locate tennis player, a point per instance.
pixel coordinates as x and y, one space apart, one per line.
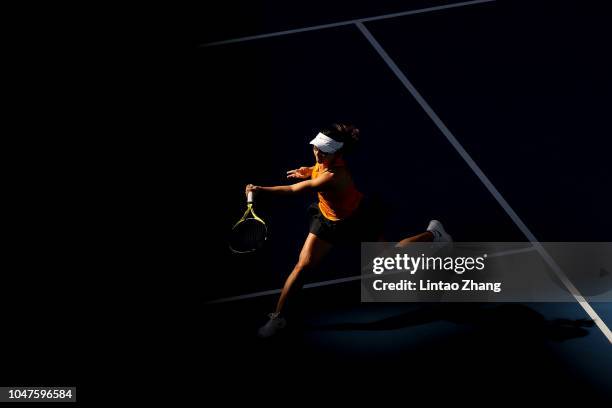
342 215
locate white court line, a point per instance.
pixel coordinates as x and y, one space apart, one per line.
511 252
344 23
485 180
341 280
276 291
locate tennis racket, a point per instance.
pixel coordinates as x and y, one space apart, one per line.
250 232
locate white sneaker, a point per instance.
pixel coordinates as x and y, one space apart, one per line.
440 235
272 326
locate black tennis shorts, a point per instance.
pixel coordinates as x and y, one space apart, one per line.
364 225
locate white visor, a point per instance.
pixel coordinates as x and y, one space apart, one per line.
326 144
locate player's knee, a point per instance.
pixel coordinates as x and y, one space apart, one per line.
303 263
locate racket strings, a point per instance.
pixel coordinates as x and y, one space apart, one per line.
248 236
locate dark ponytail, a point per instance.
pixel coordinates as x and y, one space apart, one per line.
343 132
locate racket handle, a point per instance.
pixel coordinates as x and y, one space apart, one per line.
249 197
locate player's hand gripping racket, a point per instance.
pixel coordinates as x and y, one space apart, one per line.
250 232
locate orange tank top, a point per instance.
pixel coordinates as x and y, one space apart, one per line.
336 205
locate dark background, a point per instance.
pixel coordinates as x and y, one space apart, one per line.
157 166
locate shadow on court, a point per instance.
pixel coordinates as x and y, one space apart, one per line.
513 320
494 350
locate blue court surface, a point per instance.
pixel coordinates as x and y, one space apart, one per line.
492 116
